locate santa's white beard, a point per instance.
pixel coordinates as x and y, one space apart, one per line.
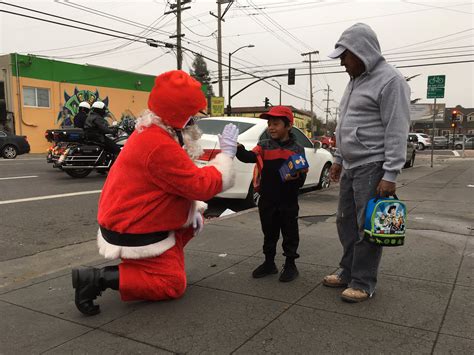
191 134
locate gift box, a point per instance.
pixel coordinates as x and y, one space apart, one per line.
294 164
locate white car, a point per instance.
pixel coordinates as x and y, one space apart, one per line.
422 140
251 130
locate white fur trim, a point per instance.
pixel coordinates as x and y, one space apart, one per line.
110 251
225 165
191 134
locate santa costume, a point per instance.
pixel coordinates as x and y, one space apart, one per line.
150 206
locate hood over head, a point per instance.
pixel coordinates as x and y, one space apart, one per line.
361 40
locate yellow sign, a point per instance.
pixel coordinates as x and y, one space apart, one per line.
217 106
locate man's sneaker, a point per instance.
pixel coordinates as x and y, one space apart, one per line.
265 269
354 295
334 281
289 272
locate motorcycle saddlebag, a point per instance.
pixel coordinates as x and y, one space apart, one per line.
90 150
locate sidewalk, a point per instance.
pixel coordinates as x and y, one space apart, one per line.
424 301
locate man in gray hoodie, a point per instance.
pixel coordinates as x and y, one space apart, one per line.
371 138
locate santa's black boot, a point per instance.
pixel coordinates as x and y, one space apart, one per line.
89 283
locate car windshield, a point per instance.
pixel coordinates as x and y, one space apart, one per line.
216 126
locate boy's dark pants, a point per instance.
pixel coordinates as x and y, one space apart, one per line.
275 218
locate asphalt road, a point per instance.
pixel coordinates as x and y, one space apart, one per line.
43 208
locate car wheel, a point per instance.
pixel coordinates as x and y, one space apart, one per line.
458 146
9 152
421 146
324 180
324 145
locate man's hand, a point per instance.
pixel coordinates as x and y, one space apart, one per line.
386 188
335 172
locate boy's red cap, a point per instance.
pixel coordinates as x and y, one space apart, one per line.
175 97
279 111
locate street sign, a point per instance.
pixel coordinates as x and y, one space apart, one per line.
217 106
436 86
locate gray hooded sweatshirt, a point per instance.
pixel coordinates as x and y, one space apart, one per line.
374 110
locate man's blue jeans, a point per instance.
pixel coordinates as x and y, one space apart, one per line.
361 259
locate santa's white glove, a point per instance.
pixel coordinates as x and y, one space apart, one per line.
198 222
228 140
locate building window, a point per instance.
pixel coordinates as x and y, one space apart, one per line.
35 97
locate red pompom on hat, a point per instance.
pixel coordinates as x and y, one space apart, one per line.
176 97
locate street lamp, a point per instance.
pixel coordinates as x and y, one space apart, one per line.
229 107
280 88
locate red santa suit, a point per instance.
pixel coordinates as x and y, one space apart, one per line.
154 188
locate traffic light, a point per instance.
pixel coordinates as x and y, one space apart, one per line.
454 115
267 102
453 124
291 76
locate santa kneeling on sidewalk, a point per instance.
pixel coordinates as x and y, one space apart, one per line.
151 204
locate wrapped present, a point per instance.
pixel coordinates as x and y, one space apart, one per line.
294 164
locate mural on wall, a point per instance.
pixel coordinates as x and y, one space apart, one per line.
71 106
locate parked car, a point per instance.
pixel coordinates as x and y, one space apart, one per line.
12 145
468 143
251 130
440 142
326 142
423 140
411 152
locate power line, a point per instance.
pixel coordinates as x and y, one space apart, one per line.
398 66
110 16
341 21
429 40
390 61
67 25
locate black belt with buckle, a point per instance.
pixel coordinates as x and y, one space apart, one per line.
132 240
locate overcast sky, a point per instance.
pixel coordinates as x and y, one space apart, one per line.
410 33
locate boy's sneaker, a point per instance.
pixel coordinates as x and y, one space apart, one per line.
289 272
265 269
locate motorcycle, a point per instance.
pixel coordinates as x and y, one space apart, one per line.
61 139
79 160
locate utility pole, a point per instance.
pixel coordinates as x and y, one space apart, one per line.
177 8
328 90
310 84
278 83
220 18
337 112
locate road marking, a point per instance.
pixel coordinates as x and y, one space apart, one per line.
456 154
18 160
50 197
19 177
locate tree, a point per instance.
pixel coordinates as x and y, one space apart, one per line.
201 74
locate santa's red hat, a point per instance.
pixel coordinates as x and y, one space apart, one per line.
176 97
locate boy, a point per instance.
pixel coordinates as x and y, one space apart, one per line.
278 204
